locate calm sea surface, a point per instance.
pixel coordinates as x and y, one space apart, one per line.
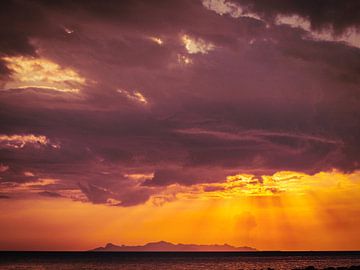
174 260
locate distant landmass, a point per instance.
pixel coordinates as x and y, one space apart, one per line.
166 246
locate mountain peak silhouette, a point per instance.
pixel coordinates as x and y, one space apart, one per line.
167 246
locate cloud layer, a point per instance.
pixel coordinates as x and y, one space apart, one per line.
173 93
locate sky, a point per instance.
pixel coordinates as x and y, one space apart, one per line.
188 121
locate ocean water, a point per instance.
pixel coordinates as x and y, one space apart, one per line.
174 260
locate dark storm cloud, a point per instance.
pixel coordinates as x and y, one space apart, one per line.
338 60
187 175
19 22
122 193
260 101
95 194
134 197
49 194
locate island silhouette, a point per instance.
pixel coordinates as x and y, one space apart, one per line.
167 246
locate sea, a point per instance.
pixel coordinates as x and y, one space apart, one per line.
176 260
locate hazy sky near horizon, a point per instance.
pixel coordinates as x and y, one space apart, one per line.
192 121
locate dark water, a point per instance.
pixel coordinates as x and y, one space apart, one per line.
175 260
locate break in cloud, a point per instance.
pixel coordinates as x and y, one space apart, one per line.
117 102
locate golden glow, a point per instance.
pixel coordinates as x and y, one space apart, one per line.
182 59
135 96
19 141
222 7
70 90
68 30
323 207
194 46
274 185
157 40
27 173
138 177
29 72
26 188
40 182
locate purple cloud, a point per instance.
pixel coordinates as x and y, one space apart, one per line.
174 93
